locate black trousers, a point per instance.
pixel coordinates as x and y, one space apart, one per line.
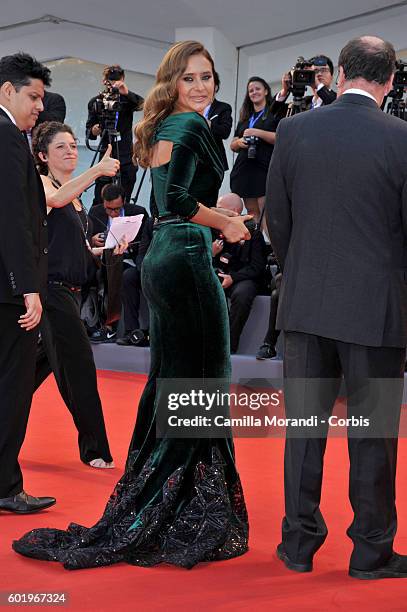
128 172
241 296
131 294
372 460
66 351
17 366
272 333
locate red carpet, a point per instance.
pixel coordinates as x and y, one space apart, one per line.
255 581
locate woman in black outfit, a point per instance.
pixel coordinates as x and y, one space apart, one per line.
65 346
249 172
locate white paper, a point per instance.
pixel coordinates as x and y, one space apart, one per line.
127 227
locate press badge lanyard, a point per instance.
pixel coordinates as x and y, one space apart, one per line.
254 118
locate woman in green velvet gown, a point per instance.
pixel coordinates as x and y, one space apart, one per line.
179 501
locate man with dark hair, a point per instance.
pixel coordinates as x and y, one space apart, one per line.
114 206
322 94
54 108
341 245
23 268
113 76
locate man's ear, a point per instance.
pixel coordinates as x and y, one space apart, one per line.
341 77
7 89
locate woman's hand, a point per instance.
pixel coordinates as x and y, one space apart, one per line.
235 229
251 132
108 166
225 211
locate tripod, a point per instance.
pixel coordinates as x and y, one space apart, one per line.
298 104
397 104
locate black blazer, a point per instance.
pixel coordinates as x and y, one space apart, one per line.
221 126
248 260
336 211
54 108
23 218
100 220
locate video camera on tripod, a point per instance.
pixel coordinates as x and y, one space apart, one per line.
107 107
397 104
301 76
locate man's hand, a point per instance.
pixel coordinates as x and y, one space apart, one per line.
96 129
227 280
121 247
324 78
97 240
108 166
217 247
121 86
32 317
285 84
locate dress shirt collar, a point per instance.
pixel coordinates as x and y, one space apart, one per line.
5 110
359 92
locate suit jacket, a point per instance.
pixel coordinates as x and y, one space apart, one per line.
54 108
247 261
100 220
23 218
336 211
221 126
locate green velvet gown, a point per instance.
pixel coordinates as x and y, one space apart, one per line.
179 501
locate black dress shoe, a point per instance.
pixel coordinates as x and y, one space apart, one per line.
25 504
296 567
396 567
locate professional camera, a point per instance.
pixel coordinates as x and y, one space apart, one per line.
302 76
107 104
252 142
224 262
397 104
400 77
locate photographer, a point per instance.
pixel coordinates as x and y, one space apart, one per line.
253 142
128 103
240 268
322 95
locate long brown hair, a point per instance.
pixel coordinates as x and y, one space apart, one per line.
247 107
162 97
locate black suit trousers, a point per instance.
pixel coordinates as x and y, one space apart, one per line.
65 350
372 459
17 366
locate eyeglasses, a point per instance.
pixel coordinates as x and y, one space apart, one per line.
116 208
322 69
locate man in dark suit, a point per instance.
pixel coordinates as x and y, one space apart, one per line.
219 117
241 269
120 280
338 225
54 108
23 268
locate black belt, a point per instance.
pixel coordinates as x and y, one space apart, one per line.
74 288
169 219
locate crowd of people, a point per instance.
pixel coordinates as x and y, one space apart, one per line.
341 299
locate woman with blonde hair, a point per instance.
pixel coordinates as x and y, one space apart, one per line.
180 500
